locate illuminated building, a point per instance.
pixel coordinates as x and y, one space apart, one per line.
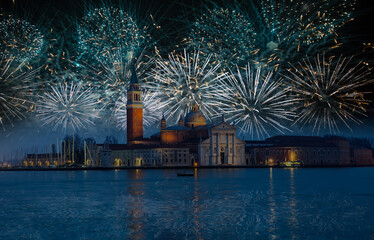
192 142
309 150
42 160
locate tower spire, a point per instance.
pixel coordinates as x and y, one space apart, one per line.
163 122
134 108
134 78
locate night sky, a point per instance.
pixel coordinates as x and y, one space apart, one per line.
173 16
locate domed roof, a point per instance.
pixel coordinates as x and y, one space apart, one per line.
194 118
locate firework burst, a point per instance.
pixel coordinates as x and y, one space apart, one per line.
109 33
110 81
68 106
110 41
256 102
62 50
17 82
185 80
225 32
20 39
329 92
270 32
288 28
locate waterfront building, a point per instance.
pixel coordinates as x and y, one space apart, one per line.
309 150
123 155
195 142
191 142
361 156
42 160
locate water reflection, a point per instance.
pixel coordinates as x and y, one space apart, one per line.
293 222
196 209
215 204
135 207
116 174
272 212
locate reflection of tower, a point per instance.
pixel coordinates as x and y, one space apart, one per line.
136 212
272 205
134 109
293 221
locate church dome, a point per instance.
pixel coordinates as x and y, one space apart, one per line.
194 118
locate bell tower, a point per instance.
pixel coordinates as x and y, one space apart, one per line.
163 122
134 108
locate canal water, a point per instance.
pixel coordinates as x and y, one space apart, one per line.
328 203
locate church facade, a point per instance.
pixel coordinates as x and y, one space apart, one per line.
222 147
192 142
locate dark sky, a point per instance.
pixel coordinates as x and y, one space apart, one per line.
173 13
362 27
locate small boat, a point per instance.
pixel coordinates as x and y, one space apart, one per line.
292 164
185 174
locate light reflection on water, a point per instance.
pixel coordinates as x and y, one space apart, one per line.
215 204
272 205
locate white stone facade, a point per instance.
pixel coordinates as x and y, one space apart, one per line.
222 147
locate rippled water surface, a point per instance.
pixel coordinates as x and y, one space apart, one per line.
215 204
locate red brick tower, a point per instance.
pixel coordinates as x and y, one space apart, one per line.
134 109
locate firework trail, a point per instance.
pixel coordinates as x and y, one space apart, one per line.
270 32
287 28
62 50
17 85
110 41
111 35
329 92
225 32
112 82
185 80
255 102
19 39
68 106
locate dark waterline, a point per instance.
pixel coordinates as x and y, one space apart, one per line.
331 203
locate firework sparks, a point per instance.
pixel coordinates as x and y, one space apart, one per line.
110 80
256 103
68 105
185 80
225 32
110 33
17 81
270 32
111 41
289 28
61 51
329 92
20 39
